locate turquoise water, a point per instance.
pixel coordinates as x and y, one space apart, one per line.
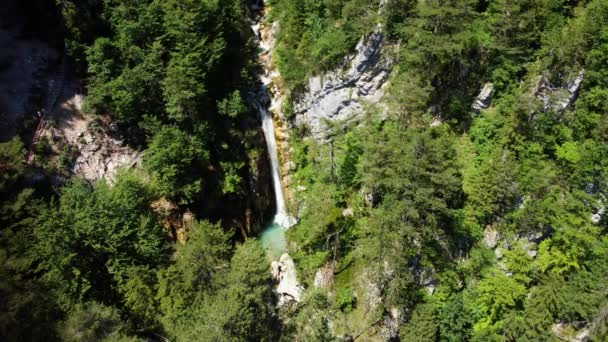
273 240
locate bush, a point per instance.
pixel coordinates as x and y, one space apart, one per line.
345 299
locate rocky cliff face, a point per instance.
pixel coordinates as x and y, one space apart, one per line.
558 97
91 148
483 100
341 94
97 153
275 95
260 204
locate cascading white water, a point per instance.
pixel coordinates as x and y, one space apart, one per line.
281 217
273 236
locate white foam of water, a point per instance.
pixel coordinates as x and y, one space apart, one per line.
281 217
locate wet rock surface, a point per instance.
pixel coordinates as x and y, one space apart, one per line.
490 237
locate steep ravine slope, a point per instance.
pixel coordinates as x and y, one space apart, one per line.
543 99
339 96
283 268
43 100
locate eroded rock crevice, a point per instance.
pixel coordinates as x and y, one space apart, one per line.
340 95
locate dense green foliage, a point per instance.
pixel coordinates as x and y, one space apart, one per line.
100 262
424 196
171 74
317 35
401 209
100 257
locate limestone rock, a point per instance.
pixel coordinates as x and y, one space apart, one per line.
372 196
592 189
392 322
288 289
597 217
498 253
533 236
558 97
275 269
340 94
373 295
104 159
436 122
490 237
566 332
348 212
530 247
482 101
100 155
573 87
289 166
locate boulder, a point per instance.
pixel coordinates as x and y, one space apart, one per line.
567 332
348 212
284 272
483 100
498 253
103 159
601 209
597 217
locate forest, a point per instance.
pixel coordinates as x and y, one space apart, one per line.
440 220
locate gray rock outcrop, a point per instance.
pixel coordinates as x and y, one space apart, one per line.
597 217
284 272
483 100
491 236
560 97
566 332
340 95
99 155
392 322
103 157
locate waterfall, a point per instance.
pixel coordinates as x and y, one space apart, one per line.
281 217
273 236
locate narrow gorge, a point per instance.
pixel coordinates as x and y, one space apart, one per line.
335 96
303 170
273 236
